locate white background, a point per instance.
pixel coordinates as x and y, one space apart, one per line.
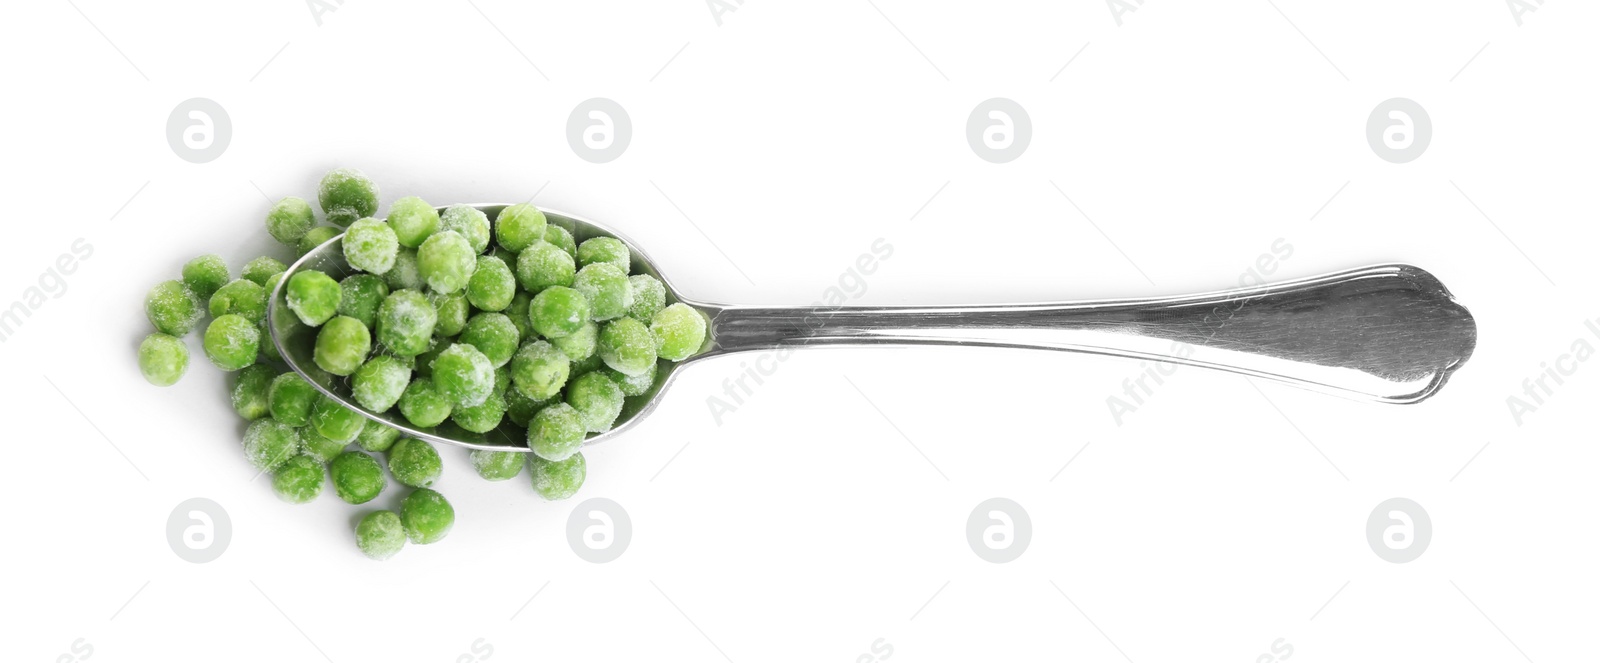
1216 519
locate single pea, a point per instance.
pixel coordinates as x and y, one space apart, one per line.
627 346
376 437
680 332
589 365
633 385
597 399
446 261
317 237
422 405
483 417
603 249
463 375
580 344
518 312
272 283
539 370
649 296
424 361
543 265
606 287
172 307
562 238
298 480
260 269
405 323
290 399
413 220
494 335
357 477
334 421
557 480
232 342
492 285
346 195
241 296
558 311
342 344
313 296
470 222
406 274
414 462
251 388
360 295
427 516
370 246
205 274
519 226
502 379
269 350
520 408
380 535
497 465
378 384
556 432
163 359
453 310
268 443
290 219
320 446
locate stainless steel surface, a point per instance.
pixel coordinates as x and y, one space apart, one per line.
1388 333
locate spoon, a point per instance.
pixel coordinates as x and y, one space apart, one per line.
1387 333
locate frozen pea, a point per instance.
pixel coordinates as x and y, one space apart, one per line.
376 437
298 480
424 361
602 250
580 344
360 295
414 462
380 535
290 219
543 265
556 432
463 375
519 226
483 417
320 446
558 311
405 323
357 477
313 296
597 399
269 350
342 344
494 335
502 379
290 399
592 363
205 274
163 359
346 195
562 238
633 385
446 261
627 346
172 307
272 283
261 269
492 285
470 222
649 296
422 405
680 331
405 275
427 516
520 408
317 237
413 220
334 421
378 384
497 465
539 371
370 246
268 443
251 389
518 312
606 287
557 480
244 297
453 310
232 342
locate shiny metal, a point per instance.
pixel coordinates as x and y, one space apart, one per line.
1388 333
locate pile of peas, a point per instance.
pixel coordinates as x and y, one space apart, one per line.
467 325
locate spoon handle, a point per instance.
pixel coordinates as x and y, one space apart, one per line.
1390 333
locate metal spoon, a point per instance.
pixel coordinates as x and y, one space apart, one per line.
1388 333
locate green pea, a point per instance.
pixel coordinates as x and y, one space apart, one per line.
378 384
261 269
556 432
422 405
360 295
290 219
649 296
357 477
581 344
269 350
446 261
346 195
405 323
497 465
453 310
413 220
342 344
317 237
406 274
494 335
603 250
427 516
519 226
557 480
633 385
483 417
597 399
520 408
205 274
463 375
414 462
370 246
518 312
232 342
543 265
562 238
502 379
424 361
558 311
470 222
606 287
627 346
298 480
268 443
539 371
250 391
320 446
172 307
163 359
380 535
376 437
241 296
313 296
492 286
290 399
334 421
680 332
589 365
